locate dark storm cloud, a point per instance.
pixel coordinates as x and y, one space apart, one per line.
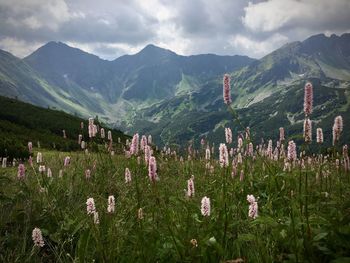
111 28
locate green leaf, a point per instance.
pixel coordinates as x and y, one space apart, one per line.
320 236
246 237
265 220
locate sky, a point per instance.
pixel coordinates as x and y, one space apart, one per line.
111 28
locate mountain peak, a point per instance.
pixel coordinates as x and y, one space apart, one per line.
154 50
54 45
57 48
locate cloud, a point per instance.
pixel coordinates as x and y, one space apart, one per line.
283 15
18 47
107 50
33 14
258 48
110 28
76 21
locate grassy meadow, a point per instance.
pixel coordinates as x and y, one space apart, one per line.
303 214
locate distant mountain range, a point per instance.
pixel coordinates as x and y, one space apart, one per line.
179 98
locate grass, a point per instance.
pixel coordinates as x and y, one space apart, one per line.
304 214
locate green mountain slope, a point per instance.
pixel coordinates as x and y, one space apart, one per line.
18 79
261 92
22 122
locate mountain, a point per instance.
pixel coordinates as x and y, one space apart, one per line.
155 73
268 94
122 86
321 57
179 98
20 80
59 62
22 122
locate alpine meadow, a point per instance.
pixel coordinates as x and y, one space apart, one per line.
232 148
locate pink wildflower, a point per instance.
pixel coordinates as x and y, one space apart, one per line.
147 153
292 151
90 206
134 148
30 147
207 153
37 237
39 157
66 161
109 136
228 135
127 175
111 204
250 149
96 218
143 142
190 187
49 172
308 97
140 214
227 89
307 130
253 206
152 169
21 171
102 131
223 155
239 143
205 206
42 168
319 135
269 149
337 128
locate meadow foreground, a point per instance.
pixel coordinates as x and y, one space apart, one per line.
300 212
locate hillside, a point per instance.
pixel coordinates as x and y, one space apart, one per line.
22 122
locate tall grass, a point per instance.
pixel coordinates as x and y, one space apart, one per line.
304 214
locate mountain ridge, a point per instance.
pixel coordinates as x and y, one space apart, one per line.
146 91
